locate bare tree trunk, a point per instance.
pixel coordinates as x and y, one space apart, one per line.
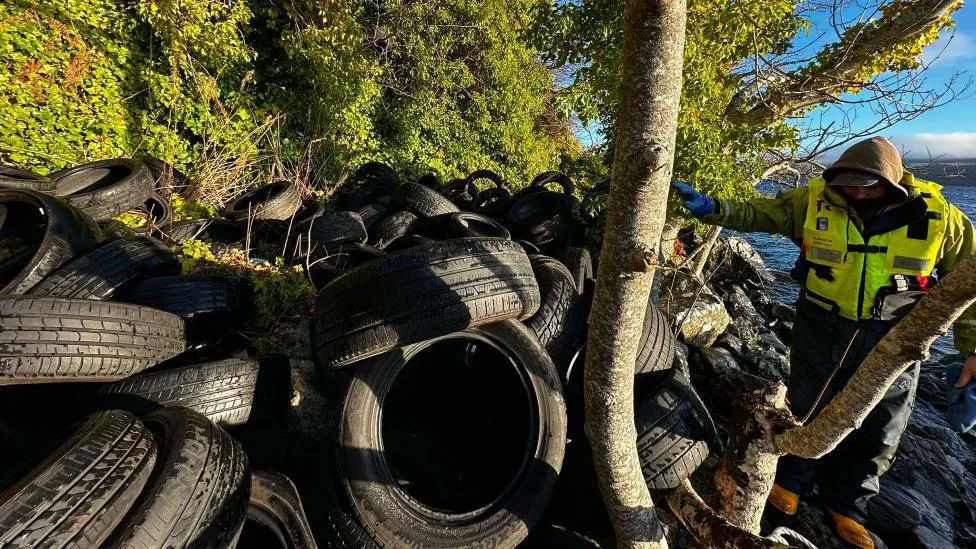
748 468
744 479
643 156
705 250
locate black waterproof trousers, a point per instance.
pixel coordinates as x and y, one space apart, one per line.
846 478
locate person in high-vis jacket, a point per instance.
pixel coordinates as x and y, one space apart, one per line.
873 237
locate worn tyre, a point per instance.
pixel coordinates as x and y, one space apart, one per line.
441 288
332 229
673 428
512 494
47 339
493 202
210 304
278 200
559 178
371 214
655 349
106 188
39 234
166 178
459 225
225 391
158 212
461 193
198 492
276 505
422 201
391 228
560 322
333 262
97 274
79 492
539 217
217 231
15 178
580 265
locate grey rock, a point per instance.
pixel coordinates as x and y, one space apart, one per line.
783 313
772 340
698 313
899 511
730 342
715 359
785 331
745 330
767 363
739 303
681 358
734 262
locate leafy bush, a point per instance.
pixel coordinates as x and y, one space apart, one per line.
429 86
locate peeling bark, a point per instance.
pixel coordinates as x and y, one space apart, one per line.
643 155
748 468
708 527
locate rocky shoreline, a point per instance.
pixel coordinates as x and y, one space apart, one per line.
729 329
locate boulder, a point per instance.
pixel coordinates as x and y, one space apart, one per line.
698 314
767 363
769 339
735 262
745 330
739 303
730 342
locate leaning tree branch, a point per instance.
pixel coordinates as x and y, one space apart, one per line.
841 67
710 528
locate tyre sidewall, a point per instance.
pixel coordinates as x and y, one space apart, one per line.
370 487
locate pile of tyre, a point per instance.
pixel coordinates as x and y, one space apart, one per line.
450 317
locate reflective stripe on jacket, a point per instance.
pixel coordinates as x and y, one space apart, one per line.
910 238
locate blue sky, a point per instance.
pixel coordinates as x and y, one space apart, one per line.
948 131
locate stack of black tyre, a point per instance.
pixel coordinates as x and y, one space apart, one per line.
459 316
138 456
450 318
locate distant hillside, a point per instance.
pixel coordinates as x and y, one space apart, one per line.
955 172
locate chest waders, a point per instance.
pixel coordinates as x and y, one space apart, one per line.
840 318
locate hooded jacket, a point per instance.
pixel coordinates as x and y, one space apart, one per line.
786 215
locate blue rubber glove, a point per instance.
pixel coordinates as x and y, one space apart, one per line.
962 402
696 203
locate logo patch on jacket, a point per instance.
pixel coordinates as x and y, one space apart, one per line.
821 223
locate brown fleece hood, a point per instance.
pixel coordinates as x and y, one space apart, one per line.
876 155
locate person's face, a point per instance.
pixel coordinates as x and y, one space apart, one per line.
864 195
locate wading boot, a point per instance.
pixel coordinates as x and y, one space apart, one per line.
783 500
853 532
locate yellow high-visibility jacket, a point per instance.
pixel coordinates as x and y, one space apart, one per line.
854 263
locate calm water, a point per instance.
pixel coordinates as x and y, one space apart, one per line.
780 253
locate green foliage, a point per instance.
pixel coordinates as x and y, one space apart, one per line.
714 152
711 152
63 83
283 295
429 86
